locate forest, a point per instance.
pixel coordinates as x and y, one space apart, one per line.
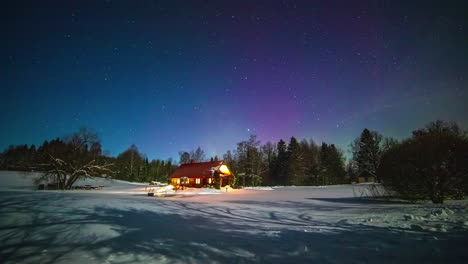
430 164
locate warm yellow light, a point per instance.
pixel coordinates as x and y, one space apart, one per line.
224 170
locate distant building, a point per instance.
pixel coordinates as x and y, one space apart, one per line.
365 176
199 174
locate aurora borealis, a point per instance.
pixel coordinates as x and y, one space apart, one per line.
173 75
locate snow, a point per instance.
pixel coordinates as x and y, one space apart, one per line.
198 191
325 224
260 188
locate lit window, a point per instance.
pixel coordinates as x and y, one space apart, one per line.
197 181
209 180
178 181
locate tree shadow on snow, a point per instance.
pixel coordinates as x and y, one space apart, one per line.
363 200
51 232
289 204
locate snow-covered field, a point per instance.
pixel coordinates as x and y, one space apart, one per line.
121 224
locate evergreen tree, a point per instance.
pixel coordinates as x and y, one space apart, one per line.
144 176
216 180
324 165
310 165
281 164
268 160
367 152
294 173
336 166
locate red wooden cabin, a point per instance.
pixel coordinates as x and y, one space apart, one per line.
199 174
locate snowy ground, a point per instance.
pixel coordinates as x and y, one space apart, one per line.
120 224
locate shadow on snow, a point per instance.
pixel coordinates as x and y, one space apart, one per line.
47 230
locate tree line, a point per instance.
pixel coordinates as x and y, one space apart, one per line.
281 163
81 154
431 164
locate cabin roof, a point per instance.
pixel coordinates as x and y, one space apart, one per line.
197 169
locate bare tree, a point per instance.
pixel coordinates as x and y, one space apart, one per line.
83 139
79 157
64 174
197 155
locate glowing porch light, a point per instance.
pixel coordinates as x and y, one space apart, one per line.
224 170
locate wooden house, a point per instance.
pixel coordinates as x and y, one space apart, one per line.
365 176
199 174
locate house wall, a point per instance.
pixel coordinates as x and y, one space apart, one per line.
366 179
193 182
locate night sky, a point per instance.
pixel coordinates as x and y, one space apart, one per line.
171 76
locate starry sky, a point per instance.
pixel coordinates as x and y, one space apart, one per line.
173 75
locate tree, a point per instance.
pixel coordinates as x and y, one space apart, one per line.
79 149
310 165
388 143
197 155
71 159
281 164
332 167
336 165
20 157
216 180
184 157
95 150
83 139
432 164
324 165
65 173
268 158
129 164
230 161
249 160
366 153
351 171
294 174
